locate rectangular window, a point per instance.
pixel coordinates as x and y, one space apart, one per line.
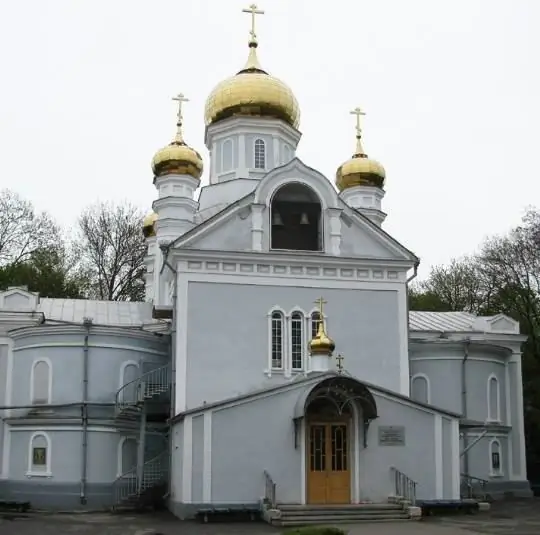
496 461
277 341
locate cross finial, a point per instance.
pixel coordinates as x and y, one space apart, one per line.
340 359
254 11
359 113
320 302
180 98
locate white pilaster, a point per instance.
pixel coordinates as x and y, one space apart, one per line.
187 460
242 165
454 448
438 444
257 232
520 472
334 230
275 147
6 452
207 457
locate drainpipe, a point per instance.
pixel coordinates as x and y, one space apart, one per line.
87 322
173 354
464 410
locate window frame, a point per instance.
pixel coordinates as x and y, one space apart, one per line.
300 321
31 472
283 320
228 142
120 457
48 362
259 144
495 472
420 375
497 417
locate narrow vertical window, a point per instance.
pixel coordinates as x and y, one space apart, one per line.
297 341
129 455
315 320
493 399
495 458
420 388
277 340
227 156
260 154
39 455
41 382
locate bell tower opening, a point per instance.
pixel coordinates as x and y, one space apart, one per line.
296 219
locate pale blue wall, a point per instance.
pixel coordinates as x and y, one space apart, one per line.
447 441
227 335
444 375
3 382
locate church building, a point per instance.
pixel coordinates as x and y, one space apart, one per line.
274 362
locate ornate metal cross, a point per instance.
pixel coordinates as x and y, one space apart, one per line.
358 112
180 98
320 302
254 11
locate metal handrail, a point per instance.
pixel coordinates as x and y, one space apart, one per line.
154 471
269 490
472 483
153 382
404 486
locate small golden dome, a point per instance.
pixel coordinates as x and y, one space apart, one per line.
321 344
178 157
360 170
253 92
149 225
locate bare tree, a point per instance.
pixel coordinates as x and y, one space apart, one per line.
22 230
111 250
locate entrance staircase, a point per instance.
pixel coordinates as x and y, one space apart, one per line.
397 508
302 515
141 410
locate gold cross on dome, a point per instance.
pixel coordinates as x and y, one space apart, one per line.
340 359
180 98
358 112
320 302
254 11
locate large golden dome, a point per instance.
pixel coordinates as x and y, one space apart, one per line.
178 157
252 91
360 170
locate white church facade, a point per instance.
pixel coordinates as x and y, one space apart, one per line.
275 356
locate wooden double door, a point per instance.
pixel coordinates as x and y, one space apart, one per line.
328 462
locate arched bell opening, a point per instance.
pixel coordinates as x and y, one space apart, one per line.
296 219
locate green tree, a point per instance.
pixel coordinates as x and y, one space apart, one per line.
46 272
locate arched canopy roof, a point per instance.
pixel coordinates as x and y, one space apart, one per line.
340 390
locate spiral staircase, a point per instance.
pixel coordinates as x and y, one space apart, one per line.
142 407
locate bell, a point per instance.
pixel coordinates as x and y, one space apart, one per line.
304 219
276 219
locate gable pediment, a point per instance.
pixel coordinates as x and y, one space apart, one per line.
18 298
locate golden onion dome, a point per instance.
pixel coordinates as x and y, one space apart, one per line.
149 225
178 157
360 170
321 343
253 92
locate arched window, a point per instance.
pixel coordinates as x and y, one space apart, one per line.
227 156
259 154
296 219
127 457
493 399
420 388
41 382
129 373
39 455
314 321
297 341
277 328
495 458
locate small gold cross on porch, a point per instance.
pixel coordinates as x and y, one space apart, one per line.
339 365
253 10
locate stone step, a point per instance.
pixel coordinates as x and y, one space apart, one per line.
323 509
340 519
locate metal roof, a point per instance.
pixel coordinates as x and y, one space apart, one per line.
101 312
442 321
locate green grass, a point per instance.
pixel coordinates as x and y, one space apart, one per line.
315 530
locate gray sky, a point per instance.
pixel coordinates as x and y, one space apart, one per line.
451 90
